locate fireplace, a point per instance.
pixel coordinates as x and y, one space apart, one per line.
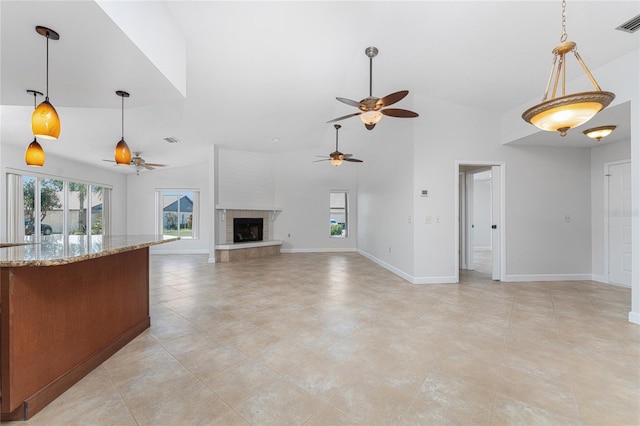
247 229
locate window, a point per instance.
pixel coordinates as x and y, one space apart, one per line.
338 203
178 213
54 206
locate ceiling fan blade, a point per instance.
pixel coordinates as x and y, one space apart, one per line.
343 117
156 164
110 161
347 155
148 167
324 159
353 160
401 113
349 102
392 98
370 126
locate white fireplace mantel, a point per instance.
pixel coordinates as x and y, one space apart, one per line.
223 210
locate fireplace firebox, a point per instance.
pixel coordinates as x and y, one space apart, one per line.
247 229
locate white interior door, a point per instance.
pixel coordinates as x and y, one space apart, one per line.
469 223
496 232
619 215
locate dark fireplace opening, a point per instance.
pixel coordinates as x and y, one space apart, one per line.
247 229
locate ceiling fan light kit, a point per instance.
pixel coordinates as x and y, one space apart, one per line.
336 157
566 111
371 111
45 122
122 153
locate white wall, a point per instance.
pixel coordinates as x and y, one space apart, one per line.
302 190
246 179
385 189
482 210
12 159
142 208
600 155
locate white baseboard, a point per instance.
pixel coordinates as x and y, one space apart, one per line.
318 250
435 280
386 266
634 317
482 248
547 277
211 259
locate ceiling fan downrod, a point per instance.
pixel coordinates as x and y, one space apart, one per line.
371 52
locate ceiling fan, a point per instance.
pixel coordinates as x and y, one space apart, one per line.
371 107
336 157
139 163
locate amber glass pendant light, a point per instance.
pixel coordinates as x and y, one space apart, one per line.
122 153
566 111
45 122
34 155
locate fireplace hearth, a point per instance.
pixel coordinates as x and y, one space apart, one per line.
247 229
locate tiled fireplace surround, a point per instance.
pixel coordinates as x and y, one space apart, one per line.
227 251
254 214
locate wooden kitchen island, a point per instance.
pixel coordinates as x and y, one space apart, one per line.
66 305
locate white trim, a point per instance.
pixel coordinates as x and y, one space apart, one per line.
211 260
483 248
387 266
599 278
503 215
547 277
434 280
318 250
634 317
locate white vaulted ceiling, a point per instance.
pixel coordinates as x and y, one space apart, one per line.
240 74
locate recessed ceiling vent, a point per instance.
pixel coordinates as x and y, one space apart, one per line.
631 26
170 139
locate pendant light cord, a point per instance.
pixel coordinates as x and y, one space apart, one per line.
47 97
564 21
123 117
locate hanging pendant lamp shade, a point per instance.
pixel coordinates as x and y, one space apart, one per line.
566 111
34 155
45 122
122 153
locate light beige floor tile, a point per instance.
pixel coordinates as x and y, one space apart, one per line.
529 389
448 400
239 382
332 338
508 412
280 403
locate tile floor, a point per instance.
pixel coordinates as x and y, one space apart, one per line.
334 339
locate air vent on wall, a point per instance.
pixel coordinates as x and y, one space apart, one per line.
170 139
631 26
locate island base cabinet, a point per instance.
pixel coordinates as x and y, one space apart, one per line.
60 322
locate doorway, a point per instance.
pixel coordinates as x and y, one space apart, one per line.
480 208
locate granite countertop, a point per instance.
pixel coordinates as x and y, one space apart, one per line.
61 249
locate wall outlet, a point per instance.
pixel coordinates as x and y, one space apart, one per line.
389 249
428 220
437 219
289 235
567 217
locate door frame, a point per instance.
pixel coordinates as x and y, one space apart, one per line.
606 249
502 220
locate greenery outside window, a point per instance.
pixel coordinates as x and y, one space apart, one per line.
54 207
178 213
338 214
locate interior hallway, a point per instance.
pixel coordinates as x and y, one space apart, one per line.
336 339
